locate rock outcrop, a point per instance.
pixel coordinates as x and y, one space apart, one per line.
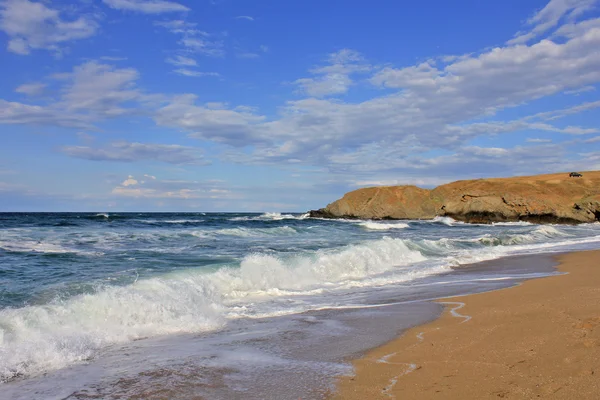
554 198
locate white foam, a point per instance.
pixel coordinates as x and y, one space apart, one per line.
454 310
516 223
447 221
540 234
172 221
250 232
266 275
271 216
36 339
380 226
30 246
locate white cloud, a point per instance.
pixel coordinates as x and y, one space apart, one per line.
182 27
193 40
221 125
132 152
181 61
334 78
99 89
550 16
112 58
194 73
245 17
580 90
32 25
31 89
556 114
434 106
538 140
130 181
576 29
146 6
91 92
19 113
203 46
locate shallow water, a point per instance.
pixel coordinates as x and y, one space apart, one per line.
232 305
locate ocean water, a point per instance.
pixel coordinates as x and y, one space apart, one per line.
222 305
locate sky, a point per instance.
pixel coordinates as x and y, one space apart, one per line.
270 105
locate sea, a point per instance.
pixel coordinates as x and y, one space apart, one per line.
234 305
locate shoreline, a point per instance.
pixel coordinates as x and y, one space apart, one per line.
539 339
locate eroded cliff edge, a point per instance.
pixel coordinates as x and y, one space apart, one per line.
552 198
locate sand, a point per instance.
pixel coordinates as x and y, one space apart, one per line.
540 339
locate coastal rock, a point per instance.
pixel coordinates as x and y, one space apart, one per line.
385 202
553 198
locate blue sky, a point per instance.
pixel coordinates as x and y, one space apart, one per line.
231 105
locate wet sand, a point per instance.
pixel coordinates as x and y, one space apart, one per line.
540 339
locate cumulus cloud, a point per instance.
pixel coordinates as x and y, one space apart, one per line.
32 25
146 6
203 121
550 16
434 105
19 113
556 114
194 73
130 181
192 39
211 48
538 140
334 78
130 152
31 89
181 61
575 29
439 105
99 89
180 26
90 92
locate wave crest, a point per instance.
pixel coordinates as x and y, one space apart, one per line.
380 226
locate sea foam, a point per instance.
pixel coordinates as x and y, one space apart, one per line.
381 226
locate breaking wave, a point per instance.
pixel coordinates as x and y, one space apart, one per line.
447 221
35 339
250 232
30 246
540 234
380 226
271 216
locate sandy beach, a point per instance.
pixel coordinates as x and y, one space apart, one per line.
540 339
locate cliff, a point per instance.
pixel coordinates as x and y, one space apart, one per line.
553 198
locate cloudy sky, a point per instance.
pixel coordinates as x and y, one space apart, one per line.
270 105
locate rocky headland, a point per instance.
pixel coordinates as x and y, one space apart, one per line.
552 198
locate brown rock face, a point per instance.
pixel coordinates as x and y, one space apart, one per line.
554 198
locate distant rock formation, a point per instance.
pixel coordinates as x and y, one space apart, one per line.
553 198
